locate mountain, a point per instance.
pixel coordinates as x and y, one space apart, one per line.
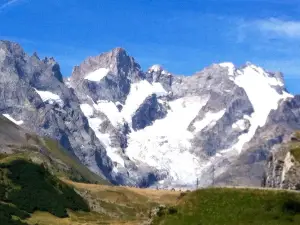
19 144
152 128
33 93
179 127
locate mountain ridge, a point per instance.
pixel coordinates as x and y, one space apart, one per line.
148 128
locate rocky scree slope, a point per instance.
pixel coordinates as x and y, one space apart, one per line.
151 128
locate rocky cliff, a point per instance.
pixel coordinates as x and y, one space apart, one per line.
283 166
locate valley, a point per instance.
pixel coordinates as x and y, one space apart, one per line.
108 144
149 112
96 204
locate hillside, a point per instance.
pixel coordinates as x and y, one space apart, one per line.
16 142
26 187
225 206
111 205
30 195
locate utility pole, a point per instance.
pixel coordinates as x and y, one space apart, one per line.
197 183
213 175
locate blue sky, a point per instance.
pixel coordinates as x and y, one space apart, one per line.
184 36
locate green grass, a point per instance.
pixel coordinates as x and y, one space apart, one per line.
294 146
77 172
119 205
296 153
30 187
222 206
11 215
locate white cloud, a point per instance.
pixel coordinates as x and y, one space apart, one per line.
270 28
8 4
271 42
280 27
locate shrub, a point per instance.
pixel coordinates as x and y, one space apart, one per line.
38 190
172 210
6 213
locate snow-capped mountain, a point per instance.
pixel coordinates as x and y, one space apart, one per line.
150 128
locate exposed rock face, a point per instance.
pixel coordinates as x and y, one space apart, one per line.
152 128
110 76
32 91
149 111
157 74
266 145
283 167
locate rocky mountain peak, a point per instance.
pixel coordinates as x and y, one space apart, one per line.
10 52
11 48
14 61
119 51
157 73
115 62
35 55
155 68
49 60
250 69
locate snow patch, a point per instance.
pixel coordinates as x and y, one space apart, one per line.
210 119
50 97
258 86
287 165
87 110
165 145
111 111
271 80
97 75
95 124
240 125
138 94
118 103
164 72
68 82
230 66
155 68
20 122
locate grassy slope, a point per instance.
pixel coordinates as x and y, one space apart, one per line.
31 195
14 139
234 206
76 167
33 190
26 187
111 205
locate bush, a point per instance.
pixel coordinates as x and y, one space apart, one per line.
182 194
6 213
39 190
291 206
172 210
